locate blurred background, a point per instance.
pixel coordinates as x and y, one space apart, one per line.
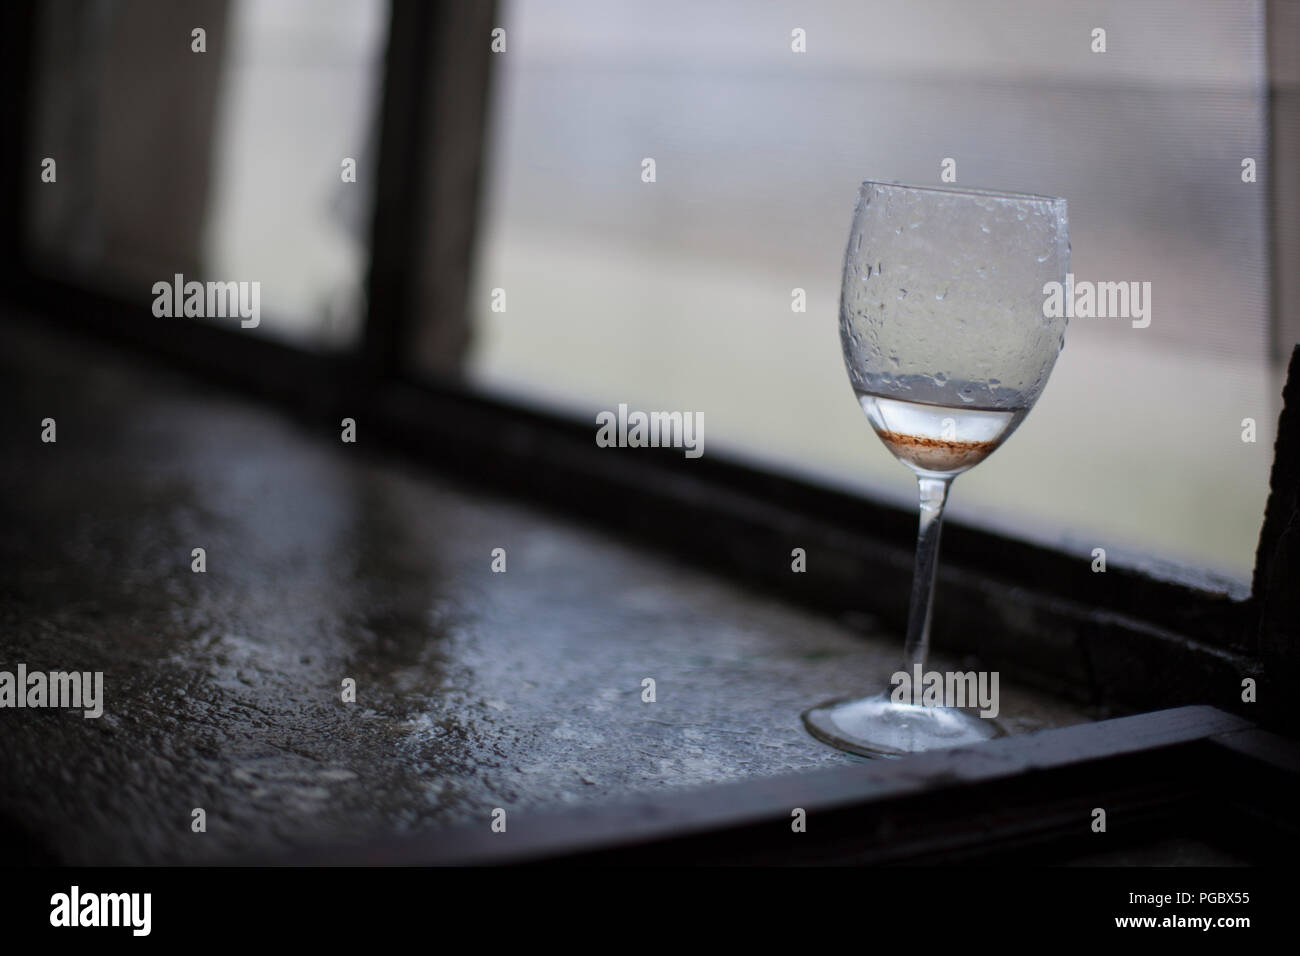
676 294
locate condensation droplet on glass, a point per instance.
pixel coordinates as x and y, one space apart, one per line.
941 378
902 294
984 228
966 394
1043 257
940 296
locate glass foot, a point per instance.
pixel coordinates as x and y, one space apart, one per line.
878 727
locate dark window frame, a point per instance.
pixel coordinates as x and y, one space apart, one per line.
1019 800
1125 641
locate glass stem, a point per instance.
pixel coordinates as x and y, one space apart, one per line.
934 495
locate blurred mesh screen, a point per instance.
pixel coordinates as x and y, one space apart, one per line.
677 294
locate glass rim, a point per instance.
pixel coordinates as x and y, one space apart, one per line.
961 191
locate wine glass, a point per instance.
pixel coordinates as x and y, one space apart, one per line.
947 346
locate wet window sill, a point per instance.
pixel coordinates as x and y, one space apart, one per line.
328 561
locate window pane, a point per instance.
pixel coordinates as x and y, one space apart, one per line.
221 165
677 294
